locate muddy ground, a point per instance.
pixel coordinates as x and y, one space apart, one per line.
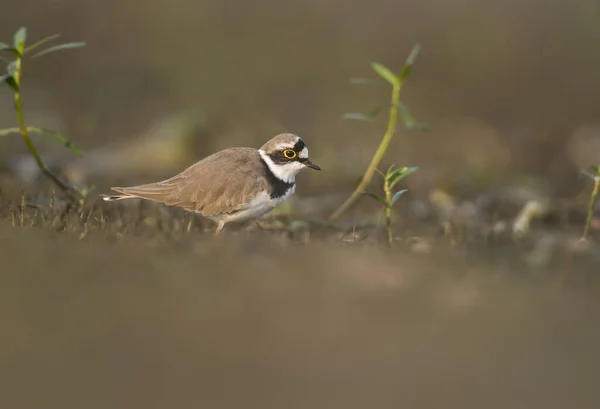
127 308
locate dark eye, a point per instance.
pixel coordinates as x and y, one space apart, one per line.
289 153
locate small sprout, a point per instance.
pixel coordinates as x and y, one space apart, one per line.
391 179
594 173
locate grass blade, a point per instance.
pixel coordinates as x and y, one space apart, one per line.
385 73
40 42
65 46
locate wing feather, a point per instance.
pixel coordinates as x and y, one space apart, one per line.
224 182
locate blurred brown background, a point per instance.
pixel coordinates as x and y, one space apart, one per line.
508 87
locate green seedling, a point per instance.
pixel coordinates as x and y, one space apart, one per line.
390 180
594 173
13 78
395 108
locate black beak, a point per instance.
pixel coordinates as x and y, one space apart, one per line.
311 165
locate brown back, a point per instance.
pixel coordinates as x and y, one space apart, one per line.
220 183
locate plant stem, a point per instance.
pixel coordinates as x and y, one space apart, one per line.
385 142
388 212
591 208
23 131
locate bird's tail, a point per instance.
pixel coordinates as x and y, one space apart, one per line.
111 198
152 191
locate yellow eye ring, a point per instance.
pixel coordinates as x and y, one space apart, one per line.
289 153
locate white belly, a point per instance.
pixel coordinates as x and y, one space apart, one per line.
259 206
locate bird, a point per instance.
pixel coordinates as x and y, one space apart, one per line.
231 185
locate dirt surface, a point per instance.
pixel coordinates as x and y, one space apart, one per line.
156 317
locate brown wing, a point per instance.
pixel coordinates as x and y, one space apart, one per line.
220 183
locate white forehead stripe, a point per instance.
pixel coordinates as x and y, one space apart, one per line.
303 153
283 146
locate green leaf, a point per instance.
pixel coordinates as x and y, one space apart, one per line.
365 81
8 48
380 172
19 39
389 172
370 117
375 197
376 111
8 131
400 174
407 118
409 121
59 47
45 132
395 177
397 196
11 68
385 73
10 81
357 116
589 173
410 61
40 42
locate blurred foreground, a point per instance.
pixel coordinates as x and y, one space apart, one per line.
154 317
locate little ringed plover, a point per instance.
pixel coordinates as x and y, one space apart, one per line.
234 184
